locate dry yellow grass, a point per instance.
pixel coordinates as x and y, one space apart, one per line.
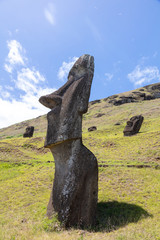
129 196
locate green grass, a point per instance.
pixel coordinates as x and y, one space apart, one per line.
129 178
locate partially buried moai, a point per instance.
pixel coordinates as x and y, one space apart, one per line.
133 125
29 132
75 188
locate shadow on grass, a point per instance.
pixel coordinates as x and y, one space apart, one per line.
113 215
110 216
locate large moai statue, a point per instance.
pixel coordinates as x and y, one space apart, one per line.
75 189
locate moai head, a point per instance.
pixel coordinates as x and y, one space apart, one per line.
69 103
133 125
29 131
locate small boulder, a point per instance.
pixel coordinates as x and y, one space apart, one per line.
29 132
133 125
99 115
93 128
117 124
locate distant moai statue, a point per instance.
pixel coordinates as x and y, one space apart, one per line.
75 189
133 125
29 132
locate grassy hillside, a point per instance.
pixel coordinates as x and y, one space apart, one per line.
129 176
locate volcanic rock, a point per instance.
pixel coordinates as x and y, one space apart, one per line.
148 92
94 102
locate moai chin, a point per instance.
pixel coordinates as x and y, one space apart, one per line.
75 188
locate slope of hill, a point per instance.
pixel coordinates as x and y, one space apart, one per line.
129 173
149 92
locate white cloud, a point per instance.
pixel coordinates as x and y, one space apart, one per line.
140 76
44 91
27 79
27 107
31 85
65 68
8 68
16 111
16 56
31 100
49 13
3 93
9 88
109 76
6 94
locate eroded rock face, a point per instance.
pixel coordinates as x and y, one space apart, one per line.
75 189
133 125
149 92
29 132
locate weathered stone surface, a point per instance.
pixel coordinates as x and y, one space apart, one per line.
93 128
133 125
74 194
29 132
75 189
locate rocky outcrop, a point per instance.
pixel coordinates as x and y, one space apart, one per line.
29 132
148 92
94 102
133 125
75 188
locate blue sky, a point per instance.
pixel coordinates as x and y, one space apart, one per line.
40 40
